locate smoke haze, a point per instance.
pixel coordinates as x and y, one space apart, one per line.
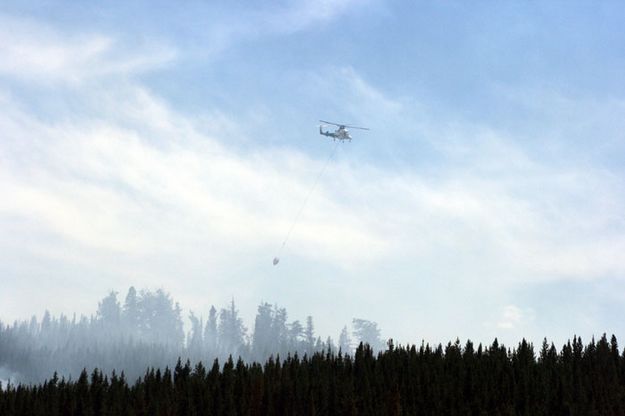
146 330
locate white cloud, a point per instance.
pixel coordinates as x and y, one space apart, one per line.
33 51
349 94
302 14
513 317
137 190
112 188
273 19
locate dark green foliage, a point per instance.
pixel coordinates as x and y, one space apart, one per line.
450 380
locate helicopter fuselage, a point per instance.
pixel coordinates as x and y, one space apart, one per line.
339 134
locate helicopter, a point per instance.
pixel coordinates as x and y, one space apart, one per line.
341 133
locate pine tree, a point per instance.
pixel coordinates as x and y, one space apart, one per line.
130 312
210 332
309 336
345 343
231 331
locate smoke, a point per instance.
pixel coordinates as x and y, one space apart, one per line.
7 376
145 330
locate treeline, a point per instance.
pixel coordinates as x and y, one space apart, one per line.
146 330
451 380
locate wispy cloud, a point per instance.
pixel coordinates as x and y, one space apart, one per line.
272 19
120 182
34 51
513 317
297 15
535 218
164 194
101 181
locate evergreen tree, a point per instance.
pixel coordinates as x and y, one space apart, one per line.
309 336
279 332
210 332
296 332
195 339
368 332
262 339
231 331
451 380
130 312
345 342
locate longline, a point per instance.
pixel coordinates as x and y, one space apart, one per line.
299 213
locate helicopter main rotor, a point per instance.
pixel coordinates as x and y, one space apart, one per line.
343 126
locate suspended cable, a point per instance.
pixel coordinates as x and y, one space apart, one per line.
299 213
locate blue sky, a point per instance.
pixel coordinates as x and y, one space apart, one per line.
161 145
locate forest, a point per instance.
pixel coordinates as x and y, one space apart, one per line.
135 358
452 380
146 330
